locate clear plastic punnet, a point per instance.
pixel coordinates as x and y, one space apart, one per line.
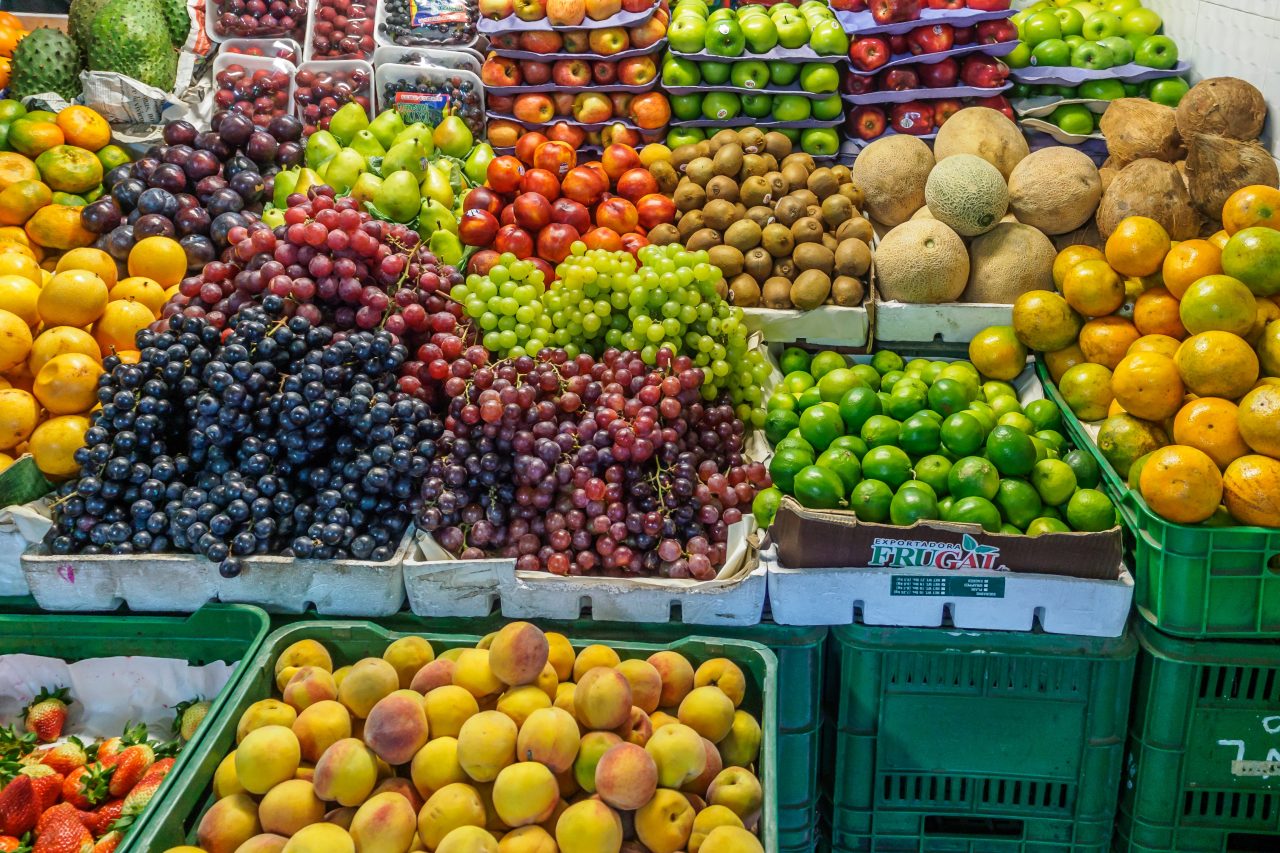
336 33
323 86
260 87
426 93
428 23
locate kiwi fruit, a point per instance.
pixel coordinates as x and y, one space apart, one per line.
843 173
743 235
806 229
777 144
744 291
700 171
795 175
722 289
761 215
836 209
751 139
683 155
822 183
776 292
857 227
770 161
728 160
788 210
704 239
758 263
777 240
694 220
723 138
719 214
813 256
689 196
847 291
664 234
853 258
830 242
754 191
802 158
752 164
722 186
777 184
666 176
805 197
785 268
854 193
727 259
810 289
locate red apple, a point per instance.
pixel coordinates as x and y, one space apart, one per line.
477 227
647 34
857 84
556 240
603 238
932 39
532 211
496 10
995 32
939 75
899 80
604 73
504 173
633 243
999 103
655 209
513 239
562 131
635 184
570 212
501 103
898 45
482 261
848 5
592 108
505 41
608 41
894 11
944 109
621 102
527 144
563 102
535 72
617 213
637 71
500 71
548 271
867 122
990 5
965 35
556 157
983 72
617 159
650 110
571 73
914 118
534 109
542 182
577 41
637 5
599 10
946 4
619 134
541 41
868 54
482 198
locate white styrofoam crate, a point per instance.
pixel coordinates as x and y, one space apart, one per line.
12 581
826 325
949 323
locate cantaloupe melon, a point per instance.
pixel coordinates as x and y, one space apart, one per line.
1055 189
968 194
986 133
1010 260
892 172
922 261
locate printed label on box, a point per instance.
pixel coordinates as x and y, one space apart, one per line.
428 109
948 586
424 13
918 553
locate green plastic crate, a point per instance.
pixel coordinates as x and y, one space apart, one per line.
216 632
1205 730
173 822
975 742
1190 580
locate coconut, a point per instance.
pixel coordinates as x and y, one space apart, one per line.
1055 189
1153 189
892 172
984 132
1085 236
1217 166
1222 106
1136 128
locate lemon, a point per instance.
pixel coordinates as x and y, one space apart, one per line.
119 323
18 415
54 444
15 340
59 340
72 298
68 383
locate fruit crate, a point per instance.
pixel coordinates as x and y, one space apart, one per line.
1202 771
217 632
173 821
974 742
1190 580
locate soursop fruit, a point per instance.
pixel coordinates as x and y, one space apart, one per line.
131 37
45 61
178 19
80 22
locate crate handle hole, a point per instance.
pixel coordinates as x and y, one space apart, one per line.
1246 842
982 827
1273 565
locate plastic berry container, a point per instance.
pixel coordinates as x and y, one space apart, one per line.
460 59
424 92
322 86
427 23
339 29
278 48
260 87
255 19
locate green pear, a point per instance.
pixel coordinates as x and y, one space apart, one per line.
405 156
437 183
321 145
420 132
434 217
306 180
365 187
273 216
398 196
368 145
385 126
477 164
349 120
446 246
284 185
341 172
453 137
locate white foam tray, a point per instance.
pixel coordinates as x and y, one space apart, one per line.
826 325
12 581
948 323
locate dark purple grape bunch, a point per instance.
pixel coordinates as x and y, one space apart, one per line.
260 18
464 96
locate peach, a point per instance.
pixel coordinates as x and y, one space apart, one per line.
438 673
708 711
309 685
741 746
665 823
385 823
645 681
568 783
658 719
472 671
491 820
448 707
525 793
452 806
229 823
591 657
589 826
225 782
678 752
306 772
487 640
436 765
486 744
468 839
266 757
548 681
677 677
403 787
725 674
594 746
304 653
527 839
637 729
602 699
707 820
369 680
739 790
265 712
341 673
519 702
518 653
560 654
320 838
702 781
341 816
320 726
397 726
564 696
549 736
730 839
626 776
346 773
289 806
453 654
268 842
408 655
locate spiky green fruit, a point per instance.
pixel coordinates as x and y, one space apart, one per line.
131 37
45 61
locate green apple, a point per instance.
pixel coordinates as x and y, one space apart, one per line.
819 142
1053 53
783 73
1120 8
1092 56
790 133
721 105
1135 40
1102 90
750 11
758 105
697 5
1075 119
793 32
722 14
724 38
686 107
791 108
1019 57
829 39
1168 91
1022 90
1121 47
715 73
1133 90
1100 26
1071 21
828 108
1157 52
680 72
1042 26
818 78
1064 91
1075 41
750 75
687 34
1085 8
685 136
760 33
1143 21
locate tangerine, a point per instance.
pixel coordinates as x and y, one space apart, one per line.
54 444
12 263
68 383
1218 303
15 340
1268 345
1190 261
84 128
1253 257
1093 288
1069 257
1217 364
1251 490
18 415
160 259
1044 321
1087 389
1148 386
1210 424
59 340
72 298
1123 439
18 294
1156 313
1249 207
1181 484
1138 247
120 323
1105 340
95 261
1060 361
1259 419
997 353
1162 344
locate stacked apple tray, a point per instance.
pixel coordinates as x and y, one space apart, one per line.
496 30
906 104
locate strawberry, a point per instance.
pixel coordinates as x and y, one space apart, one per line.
86 786
108 843
109 750
66 756
130 767
14 745
63 833
102 818
9 844
189 716
142 793
51 814
47 714
19 808
46 782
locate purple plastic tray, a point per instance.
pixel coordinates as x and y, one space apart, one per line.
922 95
862 24
795 54
748 121
1061 76
512 24
850 148
793 89
533 125
590 57
1003 48
1095 148
573 90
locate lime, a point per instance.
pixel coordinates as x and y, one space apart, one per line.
963 372
1010 529
920 484
972 476
1220 518
916 367
888 464
797 381
796 440
786 464
948 396
808 397
1135 470
1011 451
870 501
1046 525
818 488
11 109
835 383
975 510
844 463
890 379
1054 480
880 430
794 360
825 362
934 470
1019 502
765 506
778 423
856 406
994 388
1045 414
887 362
851 443
1005 406
1085 468
910 505
884 400
1090 511
1043 449
936 417
1051 512
781 400
962 433
1053 438
867 374
820 425
907 399
931 372
920 435
1017 420
984 413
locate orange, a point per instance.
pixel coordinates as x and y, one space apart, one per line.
73 298
84 128
1217 364
1156 313
11 263
32 138
1250 207
1268 347
95 261
1059 361
160 259
1147 385
1093 288
1190 261
1259 420
1138 247
14 168
1105 340
129 356
1209 424
59 340
141 289
68 383
1069 257
1115 409
69 169
119 323
1043 321
1162 344
54 444
1251 490
1220 239
1218 303
20 201
1181 484
1087 389
18 294
15 340
18 416
58 227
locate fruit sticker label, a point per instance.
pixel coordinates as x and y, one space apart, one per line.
918 553
428 109
946 586
425 13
